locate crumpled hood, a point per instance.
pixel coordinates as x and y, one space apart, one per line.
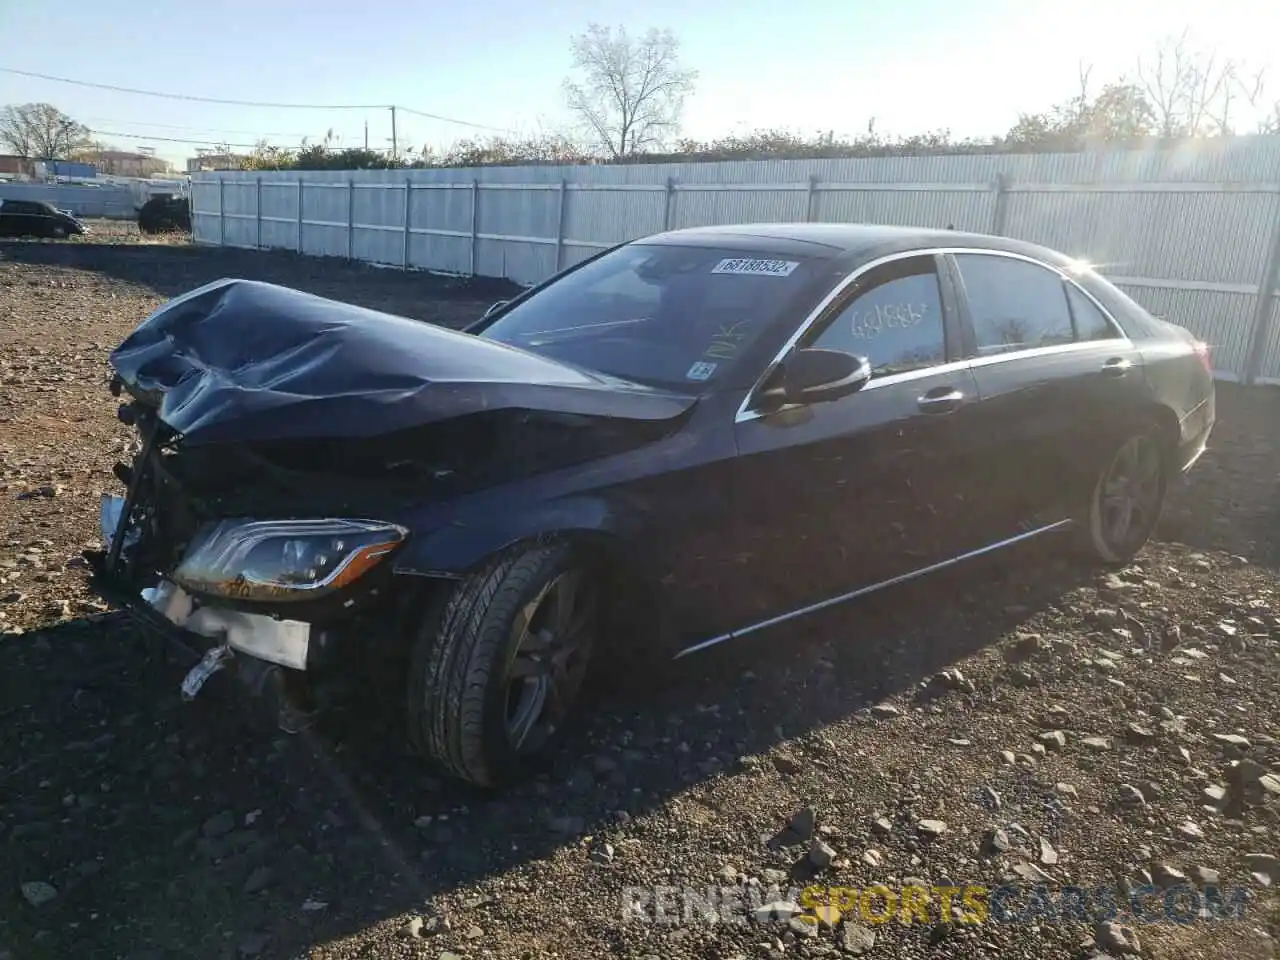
243 361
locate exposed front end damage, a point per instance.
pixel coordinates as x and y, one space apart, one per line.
291 449
246 596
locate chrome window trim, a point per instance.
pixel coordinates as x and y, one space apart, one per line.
872 588
1116 329
746 414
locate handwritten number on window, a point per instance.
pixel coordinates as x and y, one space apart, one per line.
870 323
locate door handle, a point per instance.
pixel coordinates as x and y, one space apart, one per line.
940 401
1117 367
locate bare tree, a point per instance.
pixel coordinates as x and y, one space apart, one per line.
1080 105
631 91
1191 90
40 131
1271 122
1250 87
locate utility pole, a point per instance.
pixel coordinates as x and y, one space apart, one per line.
366 134
394 150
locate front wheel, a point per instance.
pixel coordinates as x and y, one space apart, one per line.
1127 499
495 678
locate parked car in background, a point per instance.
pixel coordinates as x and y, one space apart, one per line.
681 441
36 218
165 214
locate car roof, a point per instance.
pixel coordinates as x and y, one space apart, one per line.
43 204
844 240
858 243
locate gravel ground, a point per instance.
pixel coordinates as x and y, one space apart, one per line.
1102 730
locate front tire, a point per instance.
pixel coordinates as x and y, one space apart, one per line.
1127 498
496 674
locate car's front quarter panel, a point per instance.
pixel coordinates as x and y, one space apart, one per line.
661 511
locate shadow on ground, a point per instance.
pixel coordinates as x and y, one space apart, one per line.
174 829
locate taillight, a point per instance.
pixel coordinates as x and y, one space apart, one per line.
1202 351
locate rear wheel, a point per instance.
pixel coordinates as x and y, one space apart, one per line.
496 676
1127 499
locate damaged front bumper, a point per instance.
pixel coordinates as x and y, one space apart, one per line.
288 604
283 642
253 647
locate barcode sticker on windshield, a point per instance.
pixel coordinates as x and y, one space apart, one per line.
765 268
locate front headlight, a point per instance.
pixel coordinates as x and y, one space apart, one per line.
284 560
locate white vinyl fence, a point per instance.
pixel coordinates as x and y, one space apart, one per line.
1193 235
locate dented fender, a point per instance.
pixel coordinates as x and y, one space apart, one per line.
458 547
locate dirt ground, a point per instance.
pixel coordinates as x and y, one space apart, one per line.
1089 737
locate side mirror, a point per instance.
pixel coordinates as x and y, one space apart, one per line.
816 375
494 307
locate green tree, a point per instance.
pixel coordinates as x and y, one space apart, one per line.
268 157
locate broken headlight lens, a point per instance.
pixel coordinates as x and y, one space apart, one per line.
283 560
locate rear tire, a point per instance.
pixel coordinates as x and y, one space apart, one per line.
496 674
1127 498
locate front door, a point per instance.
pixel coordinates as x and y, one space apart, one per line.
838 496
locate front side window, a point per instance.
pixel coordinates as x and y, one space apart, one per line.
893 317
1014 304
659 314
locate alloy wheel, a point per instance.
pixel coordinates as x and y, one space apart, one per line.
1130 493
553 635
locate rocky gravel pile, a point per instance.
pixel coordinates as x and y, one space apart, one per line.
975 747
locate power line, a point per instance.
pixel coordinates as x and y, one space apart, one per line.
187 126
250 103
465 123
147 136
197 99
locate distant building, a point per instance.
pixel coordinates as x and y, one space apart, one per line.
66 168
16 166
214 161
122 163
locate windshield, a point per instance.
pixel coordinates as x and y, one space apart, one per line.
662 315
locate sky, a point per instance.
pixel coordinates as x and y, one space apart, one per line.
802 65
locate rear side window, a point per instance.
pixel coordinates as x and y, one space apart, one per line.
893 318
1015 305
1091 323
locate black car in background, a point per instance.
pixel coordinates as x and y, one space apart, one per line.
165 213
684 440
36 218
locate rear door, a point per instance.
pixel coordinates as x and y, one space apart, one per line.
24 218
839 496
13 222
1058 382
